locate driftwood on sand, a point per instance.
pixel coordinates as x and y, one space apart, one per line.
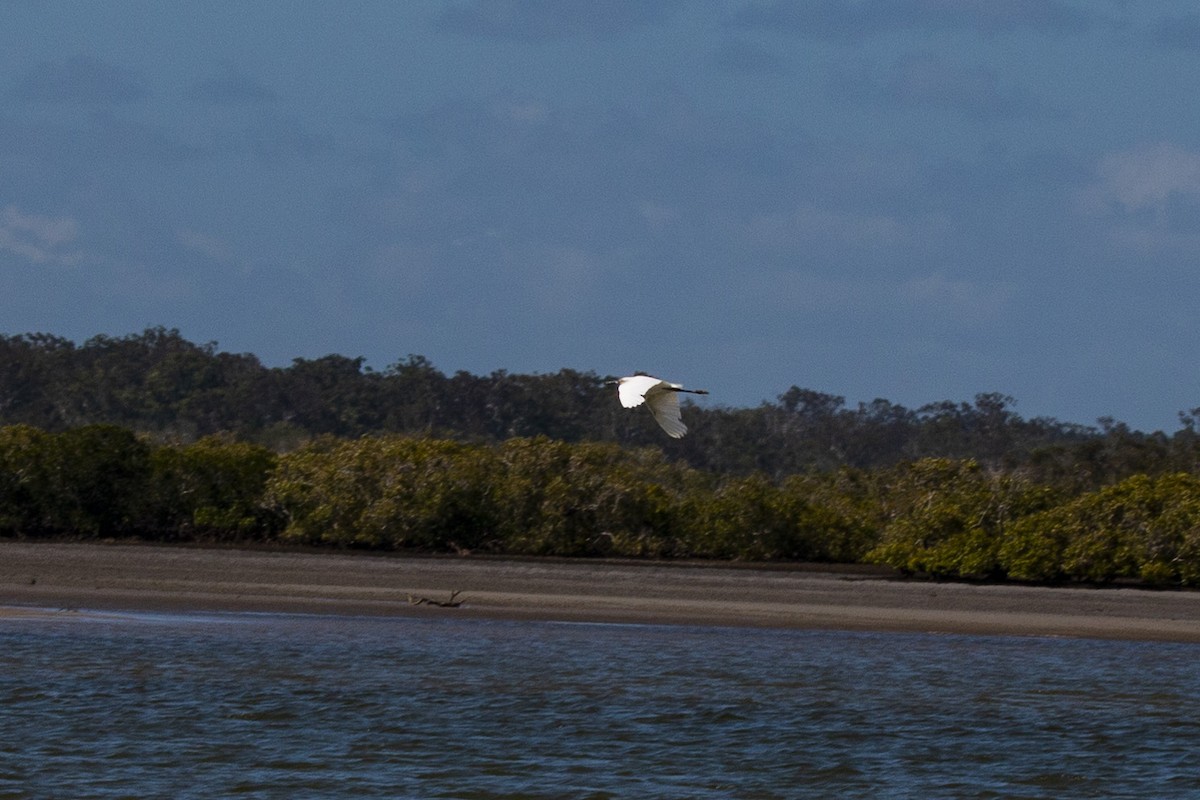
453 602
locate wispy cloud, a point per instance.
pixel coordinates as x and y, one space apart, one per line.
1181 32
232 87
963 299
740 56
934 296
80 80
925 80
1148 197
279 138
213 247
1144 179
37 238
539 20
561 279
810 224
855 19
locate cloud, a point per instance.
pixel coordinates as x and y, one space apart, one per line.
560 279
39 239
855 19
232 87
1148 198
878 230
62 150
541 20
516 165
1180 32
80 80
1144 179
747 58
799 228
210 246
281 138
658 215
935 297
926 80
961 299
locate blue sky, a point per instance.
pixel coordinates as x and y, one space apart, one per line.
918 200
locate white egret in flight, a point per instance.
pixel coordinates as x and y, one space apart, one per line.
661 397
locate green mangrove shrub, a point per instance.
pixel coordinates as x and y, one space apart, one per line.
89 481
385 493
1143 527
947 517
554 497
212 489
24 480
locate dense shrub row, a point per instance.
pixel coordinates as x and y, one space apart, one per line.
544 497
101 480
952 518
541 496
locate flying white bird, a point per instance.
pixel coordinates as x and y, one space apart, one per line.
661 397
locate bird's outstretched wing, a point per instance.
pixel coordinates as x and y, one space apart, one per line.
632 391
664 405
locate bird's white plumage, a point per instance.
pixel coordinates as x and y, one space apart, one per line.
632 390
664 405
661 397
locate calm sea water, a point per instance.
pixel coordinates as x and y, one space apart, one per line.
254 706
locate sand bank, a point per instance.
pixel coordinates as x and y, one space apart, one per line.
52 575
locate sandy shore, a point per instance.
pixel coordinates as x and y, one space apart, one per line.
44 577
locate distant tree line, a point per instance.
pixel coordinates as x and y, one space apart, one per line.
159 384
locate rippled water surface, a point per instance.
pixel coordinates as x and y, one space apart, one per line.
256 706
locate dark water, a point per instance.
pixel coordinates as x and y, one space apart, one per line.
307 707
